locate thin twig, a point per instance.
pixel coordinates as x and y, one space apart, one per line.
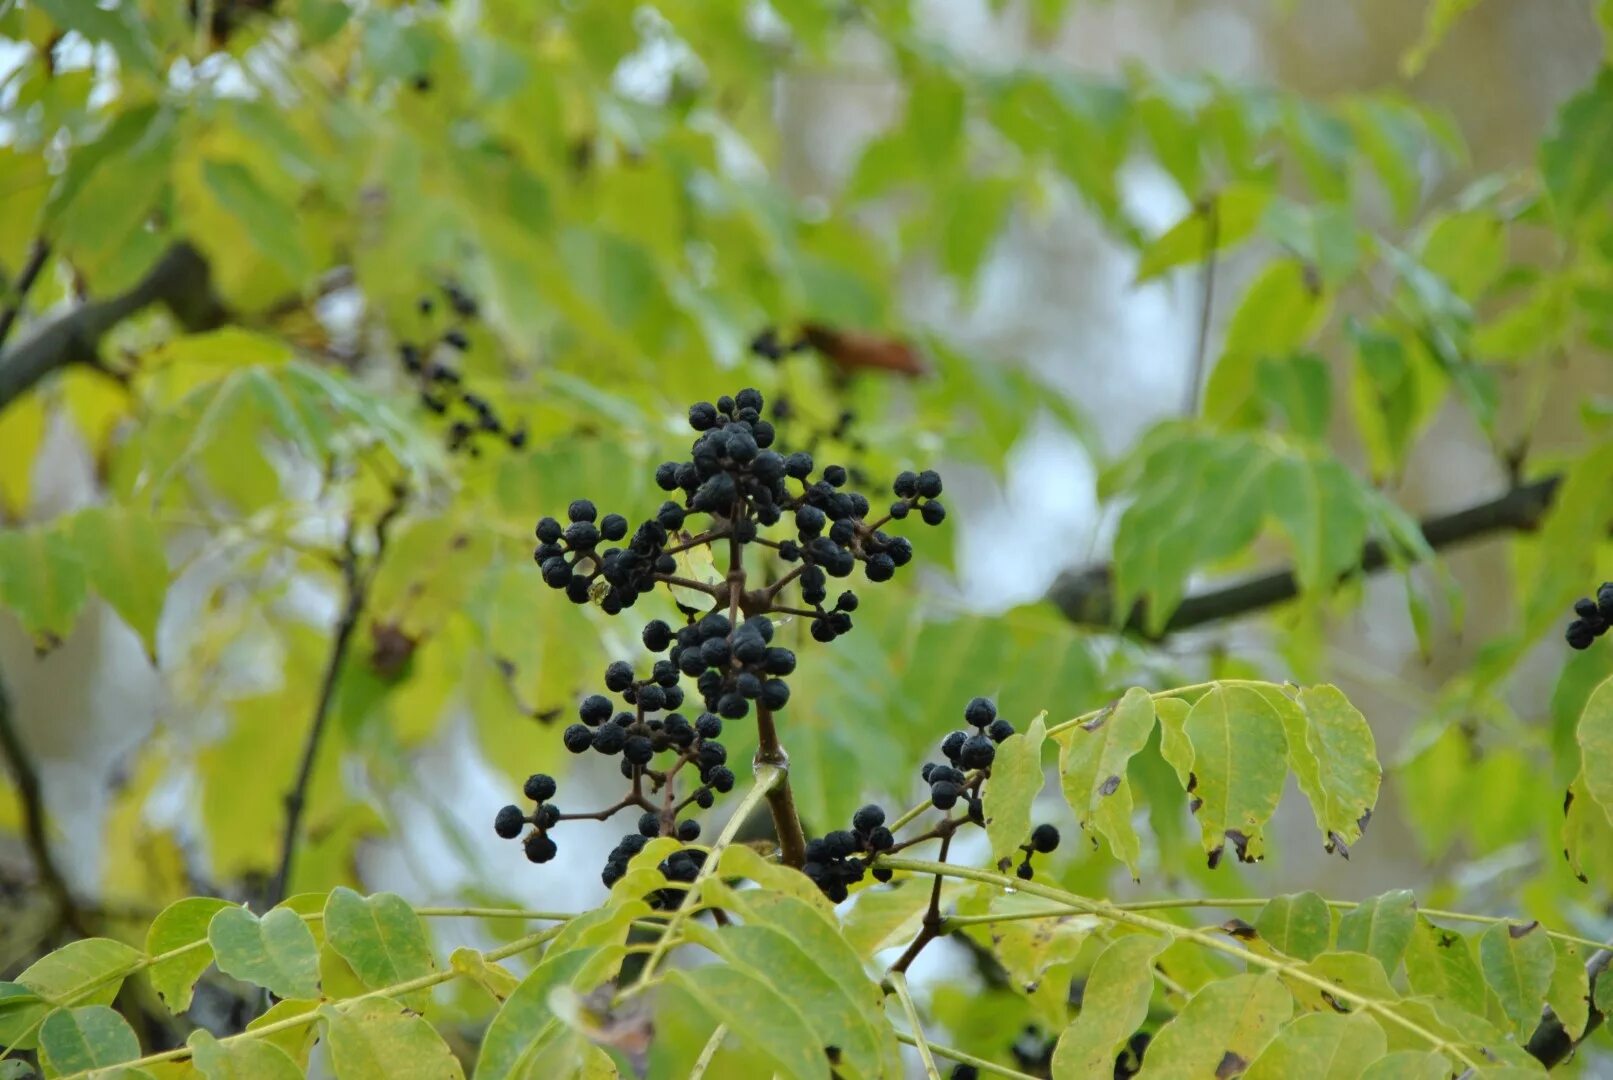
954 1054
1201 344
25 282
30 797
357 580
931 927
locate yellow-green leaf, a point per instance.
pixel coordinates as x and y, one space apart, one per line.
42 580
1517 961
757 1015
276 952
180 924
1092 765
1322 1046
527 1019
1570 990
92 971
1216 225
1113 1006
376 1039
1347 771
240 1059
1221 1030
122 556
1595 737
380 937
1016 780
1240 759
1380 927
1440 963
88 1037
1297 925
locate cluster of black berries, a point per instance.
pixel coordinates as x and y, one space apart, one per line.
1594 617
968 752
540 788
1044 839
441 385
741 485
831 861
681 868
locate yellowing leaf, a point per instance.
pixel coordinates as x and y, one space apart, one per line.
1322 1046
1240 759
122 556
1016 779
181 924
1114 1004
22 428
276 952
1221 1029
42 580
1297 925
1595 737
1517 961
377 1039
1092 765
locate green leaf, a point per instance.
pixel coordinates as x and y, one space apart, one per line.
240 1059
1347 771
1595 737
92 970
380 936
122 556
1570 991
1240 759
1517 961
1221 1030
836 1017
270 223
381 1040
1236 210
881 918
1016 780
181 923
1321 1046
1410 1065
1277 316
88 1037
935 114
526 1018
1297 925
1438 20
818 933
970 224
1576 160
1092 765
1173 744
1440 963
757 1015
41 580
1113 1006
276 952
1380 927
1358 972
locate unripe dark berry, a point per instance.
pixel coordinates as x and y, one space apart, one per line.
868 818
978 752
539 787
509 822
539 848
618 676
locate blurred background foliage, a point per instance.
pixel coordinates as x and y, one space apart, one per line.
1199 290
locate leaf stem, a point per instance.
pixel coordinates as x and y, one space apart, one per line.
709 1051
954 1054
898 983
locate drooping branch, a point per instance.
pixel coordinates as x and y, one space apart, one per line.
179 280
31 797
1086 596
357 578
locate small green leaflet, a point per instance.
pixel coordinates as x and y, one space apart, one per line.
1517 961
1221 1029
759 1016
1016 779
1298 925
240 1059
1380 927
380 1040
380 937
92 971
1092 764
276 952
180 924
88 1037
1114 1004
1595 737
1321 1046
1240 759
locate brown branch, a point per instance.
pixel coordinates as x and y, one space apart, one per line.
31 799
1086 596
933 924
25 282
179 280
356 580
